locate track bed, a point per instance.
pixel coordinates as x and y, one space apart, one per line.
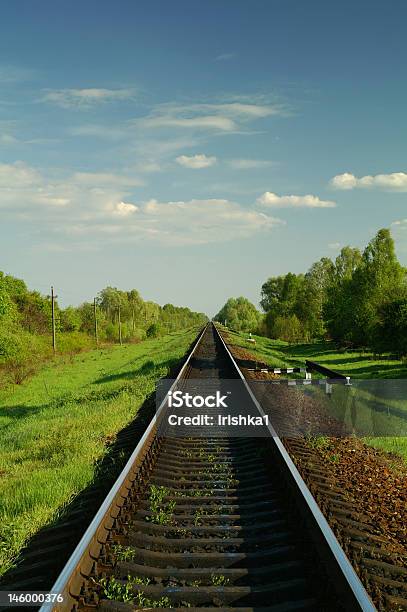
209 523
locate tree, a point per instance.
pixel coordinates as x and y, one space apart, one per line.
294 295
337 308
378 279
240 314
279 294
136 307
288 328
390 333
70 319
361 286
311 298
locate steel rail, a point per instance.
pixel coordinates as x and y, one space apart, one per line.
74 561
359 598
360 594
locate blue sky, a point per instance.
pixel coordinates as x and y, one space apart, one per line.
193 149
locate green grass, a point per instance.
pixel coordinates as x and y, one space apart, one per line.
368 396
395 445
54 427
356 364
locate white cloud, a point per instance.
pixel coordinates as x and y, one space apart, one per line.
85 98
224 117
399 231
124 209
18 175
214 122
99 207
249 164
224 57
180 223
196 161
269 199
334 245
396 181
8 139
402 223
25 189
202 221
240 109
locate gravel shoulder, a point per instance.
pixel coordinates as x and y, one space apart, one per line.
362 491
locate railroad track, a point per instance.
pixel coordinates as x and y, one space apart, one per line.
219 523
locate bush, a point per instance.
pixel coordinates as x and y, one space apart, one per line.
138 335
74 342
21 353
287 328
70 319
112 332
153 331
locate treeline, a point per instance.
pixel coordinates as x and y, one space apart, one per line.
26 324
241 315
359 299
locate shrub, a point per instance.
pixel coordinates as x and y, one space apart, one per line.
70 319
21 352
112 332
153 331
287 328
138 335
74 342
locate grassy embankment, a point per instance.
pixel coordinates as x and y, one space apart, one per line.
54 427
359 365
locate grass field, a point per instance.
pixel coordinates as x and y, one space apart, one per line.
358 365
54 427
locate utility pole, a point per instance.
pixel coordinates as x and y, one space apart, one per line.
120 328
54 340
95 321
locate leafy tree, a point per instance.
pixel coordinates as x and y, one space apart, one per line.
350 299
390 333
288 328
70 319
337 308
6 304
240 314
378 279
136 307
311 298
279 295
153 331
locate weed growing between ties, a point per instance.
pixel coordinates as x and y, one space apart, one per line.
124 553
219 580
199 514
124 591
324 444
161 512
